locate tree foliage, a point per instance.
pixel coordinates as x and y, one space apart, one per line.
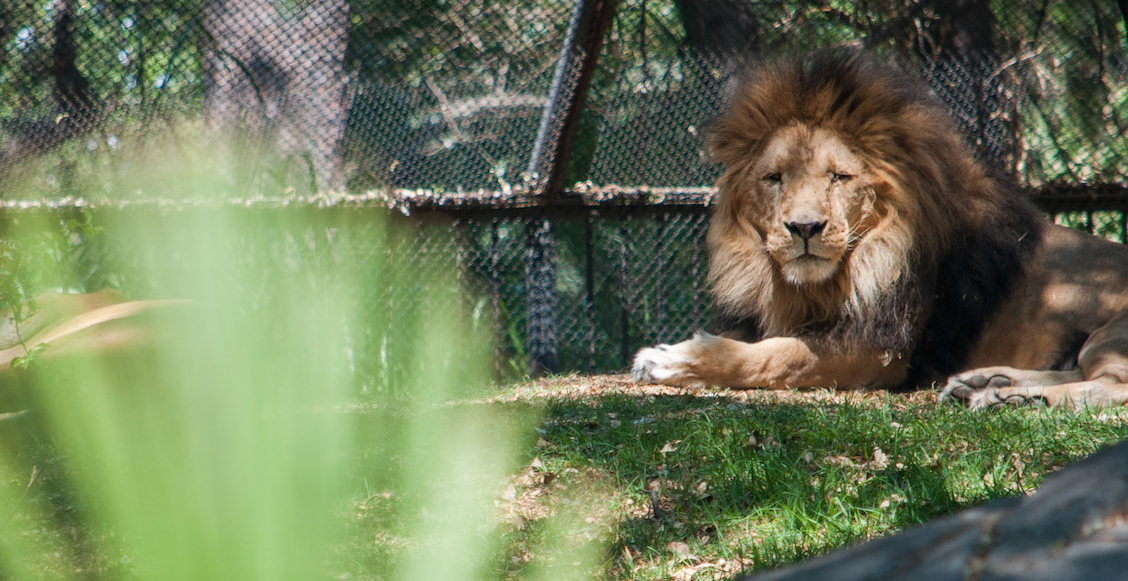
447 94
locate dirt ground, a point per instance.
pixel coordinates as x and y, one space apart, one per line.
585 386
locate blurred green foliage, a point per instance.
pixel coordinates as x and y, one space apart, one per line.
235 441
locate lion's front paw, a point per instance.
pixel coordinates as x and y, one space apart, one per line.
964 386
985 390
659 364
667 364
1004 397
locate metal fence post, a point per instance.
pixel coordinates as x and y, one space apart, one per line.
540 285
547 165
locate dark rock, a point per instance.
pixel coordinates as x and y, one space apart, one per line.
1074 528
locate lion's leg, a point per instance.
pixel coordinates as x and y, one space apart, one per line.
1100 380
773 363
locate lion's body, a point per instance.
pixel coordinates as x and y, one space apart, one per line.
855 242
61 326
1074 285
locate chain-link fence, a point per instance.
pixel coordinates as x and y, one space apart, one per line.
562 139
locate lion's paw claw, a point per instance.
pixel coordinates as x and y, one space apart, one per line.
996 398
956 392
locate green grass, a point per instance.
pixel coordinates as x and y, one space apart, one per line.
739 485
541 483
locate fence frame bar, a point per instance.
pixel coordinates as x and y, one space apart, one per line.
549 162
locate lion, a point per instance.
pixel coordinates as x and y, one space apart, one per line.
60 326
856 243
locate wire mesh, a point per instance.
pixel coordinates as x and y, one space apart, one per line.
445 98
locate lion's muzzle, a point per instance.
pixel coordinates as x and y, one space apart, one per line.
806 230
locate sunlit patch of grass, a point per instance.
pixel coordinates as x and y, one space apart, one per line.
751 483
538 481
544 481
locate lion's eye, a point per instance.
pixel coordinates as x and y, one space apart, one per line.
773 178
836 177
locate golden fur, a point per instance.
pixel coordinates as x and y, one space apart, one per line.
62 326
856 242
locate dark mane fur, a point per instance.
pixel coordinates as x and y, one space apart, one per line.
975 275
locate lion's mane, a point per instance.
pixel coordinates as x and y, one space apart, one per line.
950 241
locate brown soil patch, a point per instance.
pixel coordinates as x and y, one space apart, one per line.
595 386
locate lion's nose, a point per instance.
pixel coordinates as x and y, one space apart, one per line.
805 230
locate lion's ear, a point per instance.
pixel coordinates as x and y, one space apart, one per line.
723 144
753 114
729 139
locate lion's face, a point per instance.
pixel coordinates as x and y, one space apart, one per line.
809 197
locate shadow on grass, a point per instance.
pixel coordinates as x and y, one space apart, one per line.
709 478
750 485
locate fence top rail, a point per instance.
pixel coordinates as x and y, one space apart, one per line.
1058 196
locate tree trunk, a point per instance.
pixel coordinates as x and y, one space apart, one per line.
1124 15
722 35
275 75
719 30
957 43
76 110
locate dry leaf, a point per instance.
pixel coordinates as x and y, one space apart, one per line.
680 548
880 459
